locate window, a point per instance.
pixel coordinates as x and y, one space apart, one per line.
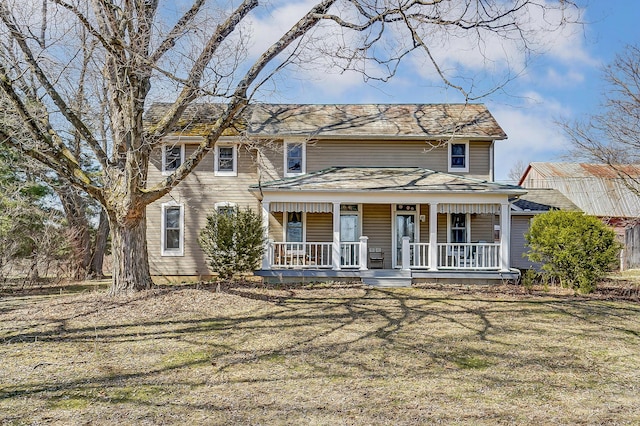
172 229
225 208
458 228
294 228
172 157
226 161
294 159
458 157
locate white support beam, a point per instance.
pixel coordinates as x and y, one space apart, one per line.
505 236
335 257
266 255
406 254
433 236
364 249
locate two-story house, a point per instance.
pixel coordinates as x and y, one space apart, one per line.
401 193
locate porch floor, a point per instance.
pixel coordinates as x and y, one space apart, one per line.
388 277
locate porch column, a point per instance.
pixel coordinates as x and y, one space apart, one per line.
433 236
266 258
364 249
335 256
406 254
505 236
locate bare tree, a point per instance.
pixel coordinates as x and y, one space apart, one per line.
612 136
200 53
517 170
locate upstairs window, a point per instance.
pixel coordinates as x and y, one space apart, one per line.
226 161
459 157
172 157
294 159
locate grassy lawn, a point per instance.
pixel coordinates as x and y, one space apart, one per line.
320 355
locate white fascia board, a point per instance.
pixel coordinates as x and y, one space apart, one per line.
382 197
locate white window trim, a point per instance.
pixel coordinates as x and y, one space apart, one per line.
286 162
286 222
233 172
164 250
224 204
464 169
164 157
468 226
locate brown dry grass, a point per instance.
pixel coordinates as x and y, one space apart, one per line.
326 354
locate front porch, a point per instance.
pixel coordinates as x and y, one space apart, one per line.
477 262
400 225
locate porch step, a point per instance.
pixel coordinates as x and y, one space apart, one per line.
387 282
386 278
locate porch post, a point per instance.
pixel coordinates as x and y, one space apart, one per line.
505 236
433 236
363 253
406 254
266 258
335 256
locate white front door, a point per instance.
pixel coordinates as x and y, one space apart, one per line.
405 225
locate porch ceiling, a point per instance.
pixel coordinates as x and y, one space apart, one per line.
385 179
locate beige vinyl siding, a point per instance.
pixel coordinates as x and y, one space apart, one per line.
442 228
383 153
276 226
424 226
479 160
377 226
520 226
482 227
319 227
199 193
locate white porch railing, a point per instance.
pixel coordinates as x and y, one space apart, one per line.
312 255
419 255
350 255
469 256
300 255
315 255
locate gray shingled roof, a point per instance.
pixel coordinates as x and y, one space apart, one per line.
543 199
434 121
377 179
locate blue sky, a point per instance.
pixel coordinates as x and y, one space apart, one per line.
564 82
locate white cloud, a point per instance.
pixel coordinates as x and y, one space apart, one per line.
533 136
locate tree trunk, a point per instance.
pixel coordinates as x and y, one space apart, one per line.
74 206
130 260
99 247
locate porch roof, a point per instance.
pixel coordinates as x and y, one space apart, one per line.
385 179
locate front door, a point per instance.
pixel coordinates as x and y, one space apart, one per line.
405 226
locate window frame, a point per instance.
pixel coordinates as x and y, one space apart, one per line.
458 169
285 228
163 226
303 162
216 161
166 171
451 228
224 205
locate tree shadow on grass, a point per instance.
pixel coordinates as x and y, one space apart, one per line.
354 334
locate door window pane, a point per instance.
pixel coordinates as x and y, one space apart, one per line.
349 229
